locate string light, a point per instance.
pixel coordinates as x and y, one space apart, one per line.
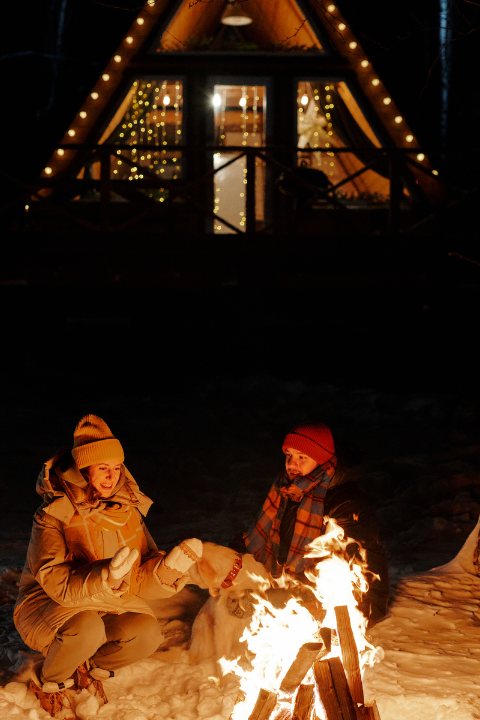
420 157
129 39
398 119
60 152
409 138
48 171
71 132
117 58
387 100
331 8
83 114
140 21
94 96
375 82
342 27
434 172
352 45
105 77
364 63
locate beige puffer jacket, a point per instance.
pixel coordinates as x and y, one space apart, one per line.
52 588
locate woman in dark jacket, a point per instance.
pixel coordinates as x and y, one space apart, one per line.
317 483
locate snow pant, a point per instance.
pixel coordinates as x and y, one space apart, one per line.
109 641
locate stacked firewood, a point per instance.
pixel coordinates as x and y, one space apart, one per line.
338 683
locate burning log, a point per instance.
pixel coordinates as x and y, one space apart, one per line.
307 654
369 712
333 689
264 705
349 650
303 703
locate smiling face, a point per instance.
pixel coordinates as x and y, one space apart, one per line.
104 476
297 463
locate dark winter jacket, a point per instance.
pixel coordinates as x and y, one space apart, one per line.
349 506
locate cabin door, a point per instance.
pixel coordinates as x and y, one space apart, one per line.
239 122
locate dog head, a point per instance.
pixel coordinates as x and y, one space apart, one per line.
216 563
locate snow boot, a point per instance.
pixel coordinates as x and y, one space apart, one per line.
90 679
52 695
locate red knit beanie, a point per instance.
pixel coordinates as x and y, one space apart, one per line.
313 439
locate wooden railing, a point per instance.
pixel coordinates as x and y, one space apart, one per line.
194 190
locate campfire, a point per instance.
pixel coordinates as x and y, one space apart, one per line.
304 660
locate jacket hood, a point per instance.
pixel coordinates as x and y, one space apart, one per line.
63 489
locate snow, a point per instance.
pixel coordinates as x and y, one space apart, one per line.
423 476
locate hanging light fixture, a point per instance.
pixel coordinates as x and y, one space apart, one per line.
234 14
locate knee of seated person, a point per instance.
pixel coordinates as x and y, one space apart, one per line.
87 626
144 627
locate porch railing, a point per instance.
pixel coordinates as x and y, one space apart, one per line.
194 190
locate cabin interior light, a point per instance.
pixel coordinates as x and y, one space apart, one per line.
217 100
166 100
242 101
304 100
234 14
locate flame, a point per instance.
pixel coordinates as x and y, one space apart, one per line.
275 635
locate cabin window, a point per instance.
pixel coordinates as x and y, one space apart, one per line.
239 122
329 118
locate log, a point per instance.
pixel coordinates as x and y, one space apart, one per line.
264 705
349 710
349 650
307 654
368 712
303 702
326 689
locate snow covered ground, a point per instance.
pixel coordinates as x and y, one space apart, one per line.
220 445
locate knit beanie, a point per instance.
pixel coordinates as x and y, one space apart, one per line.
93 442
313 439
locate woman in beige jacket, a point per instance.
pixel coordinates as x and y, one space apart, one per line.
91 563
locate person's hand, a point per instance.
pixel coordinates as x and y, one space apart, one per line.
183 556
120 565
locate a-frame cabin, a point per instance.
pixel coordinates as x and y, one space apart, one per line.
233 116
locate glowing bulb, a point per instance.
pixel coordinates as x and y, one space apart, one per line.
364 63
94 96
129 39
331 8
242 101
420 157
117 58
409 138
375 82
106 77
83 114
140 21
398 119
71 132
304 100
27 208
352 45
48 171
434 172
217 100
342 27
387 101
60 152
166 100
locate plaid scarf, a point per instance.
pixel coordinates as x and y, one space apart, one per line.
263 536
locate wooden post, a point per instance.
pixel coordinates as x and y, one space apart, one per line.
368 712
264 706
300 666
303 702
349 650
104 189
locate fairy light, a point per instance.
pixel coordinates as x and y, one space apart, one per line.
387 100
434 172
48 171
352 45
94 96
420 157
83 114
342 27
375 82
409 138
256 98
61 152
129 39
331 8
105 77
178 124
71 132
140 21
364 63
117 58
398 119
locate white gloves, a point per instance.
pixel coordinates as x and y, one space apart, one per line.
179 561
120 565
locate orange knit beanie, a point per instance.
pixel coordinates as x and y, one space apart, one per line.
313 439
93 442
